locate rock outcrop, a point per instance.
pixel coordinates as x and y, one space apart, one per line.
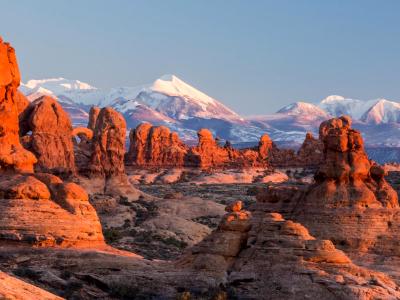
309 155
284 261
13 157
350 203
100 159
50 136
217 252
13 288
257 254
43 210
155 146
311 152
39 208
158 147
93 115
108 144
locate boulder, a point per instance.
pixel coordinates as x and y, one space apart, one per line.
50 135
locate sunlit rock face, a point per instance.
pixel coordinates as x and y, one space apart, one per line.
350 202
108 144
13 157
50 136
43 210
155 146
39 208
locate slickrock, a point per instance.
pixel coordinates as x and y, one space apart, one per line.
15 289
51 135
44 211
155 146
93 115
12 155
282 260
218 250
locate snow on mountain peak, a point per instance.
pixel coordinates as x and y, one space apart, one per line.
58 84
383 111
303 108
171 85
333 98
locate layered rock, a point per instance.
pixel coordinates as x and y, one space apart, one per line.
39 208
93 115
350 203
13 288
155 146
259 254
158 147
218 251
42 210
108 144
13 157
309 155
50 136
284 261
209 154
311 151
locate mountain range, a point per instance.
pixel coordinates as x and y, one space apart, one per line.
172 102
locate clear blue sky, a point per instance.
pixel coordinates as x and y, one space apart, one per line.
255 56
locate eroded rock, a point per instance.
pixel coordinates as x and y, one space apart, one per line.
50 135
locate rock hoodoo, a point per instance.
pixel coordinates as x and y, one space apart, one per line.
13 157
108 144
156 146
39 208
50 136
350 203
93 115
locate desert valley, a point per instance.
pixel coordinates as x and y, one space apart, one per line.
162 192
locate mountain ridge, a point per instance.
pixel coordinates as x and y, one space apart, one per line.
172 102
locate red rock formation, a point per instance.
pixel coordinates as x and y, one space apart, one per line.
261 254
93 115
44 211
155 146
208 154
12 155
351 203
311 152
39 209
108 144
51 135
265 146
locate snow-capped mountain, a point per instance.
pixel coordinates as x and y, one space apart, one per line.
382 112
167 101
172 102
337 105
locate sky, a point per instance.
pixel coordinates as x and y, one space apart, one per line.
254 56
